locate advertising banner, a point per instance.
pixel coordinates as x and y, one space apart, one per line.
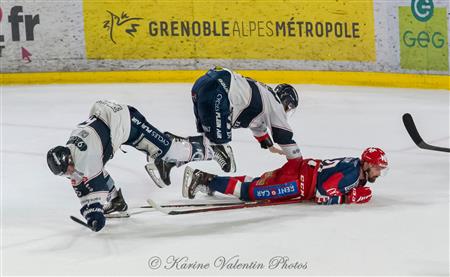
423 36
292 29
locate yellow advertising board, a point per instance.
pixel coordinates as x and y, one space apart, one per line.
325 30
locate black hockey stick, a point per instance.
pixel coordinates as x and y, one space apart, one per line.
81 222
415 136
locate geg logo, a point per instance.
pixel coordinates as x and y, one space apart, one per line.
423 39
422 9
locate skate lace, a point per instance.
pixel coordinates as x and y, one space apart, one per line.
220 159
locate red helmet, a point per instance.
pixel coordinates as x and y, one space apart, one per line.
375 156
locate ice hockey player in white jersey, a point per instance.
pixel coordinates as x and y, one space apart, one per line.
223 99
93 143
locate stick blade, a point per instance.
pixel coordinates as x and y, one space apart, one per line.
81 222
412 130
415 136
157 206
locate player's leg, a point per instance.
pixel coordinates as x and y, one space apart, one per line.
115 201
258 191
213 108
145 137
158 145
195 180
222 154
163 152
200 84
181 152
148 139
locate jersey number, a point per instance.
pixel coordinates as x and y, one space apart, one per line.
329 164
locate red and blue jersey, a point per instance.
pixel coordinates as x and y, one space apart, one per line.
324 181
336 177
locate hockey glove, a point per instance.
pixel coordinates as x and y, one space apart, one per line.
358 195
94 216
265 141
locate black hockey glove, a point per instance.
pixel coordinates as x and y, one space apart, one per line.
94 216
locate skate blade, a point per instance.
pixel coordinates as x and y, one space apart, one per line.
187 177
151 169
118 215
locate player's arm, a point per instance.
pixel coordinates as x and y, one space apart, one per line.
341 188
358 195
284 138
261 135
266 142
92 193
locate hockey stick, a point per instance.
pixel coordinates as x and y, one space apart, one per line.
81 222
193 205
222 208
415 136
148 208
118 215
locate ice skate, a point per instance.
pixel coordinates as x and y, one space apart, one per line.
163 168
223 155
117 204
195 181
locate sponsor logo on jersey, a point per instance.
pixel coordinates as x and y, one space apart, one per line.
333 192
302 185
153 133
222 83
276 191
217 103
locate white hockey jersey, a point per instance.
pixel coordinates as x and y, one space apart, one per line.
256 107
92 144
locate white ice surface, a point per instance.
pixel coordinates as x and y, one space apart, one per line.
404 230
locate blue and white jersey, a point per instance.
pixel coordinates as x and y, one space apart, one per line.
116 117
92 144
255 106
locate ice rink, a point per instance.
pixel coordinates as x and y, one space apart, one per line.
404 230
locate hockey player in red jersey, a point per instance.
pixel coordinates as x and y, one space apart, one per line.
332 181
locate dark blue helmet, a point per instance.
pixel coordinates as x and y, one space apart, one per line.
58 159
288 96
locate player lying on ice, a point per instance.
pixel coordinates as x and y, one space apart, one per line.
93 143
224 100
333 181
